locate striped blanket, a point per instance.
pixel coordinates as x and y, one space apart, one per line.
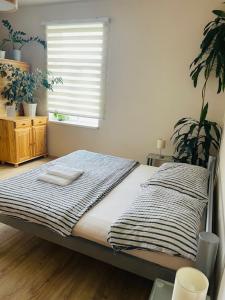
166 216
60 208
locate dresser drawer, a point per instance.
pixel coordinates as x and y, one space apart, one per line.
22 123
40 121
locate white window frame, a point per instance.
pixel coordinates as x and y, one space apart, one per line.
77 120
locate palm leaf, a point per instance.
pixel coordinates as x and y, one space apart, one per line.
219 13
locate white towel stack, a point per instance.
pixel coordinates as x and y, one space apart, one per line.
60 175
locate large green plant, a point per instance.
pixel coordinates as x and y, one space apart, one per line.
18 38
23 86
194 140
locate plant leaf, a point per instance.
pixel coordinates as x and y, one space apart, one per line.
204 113
219 13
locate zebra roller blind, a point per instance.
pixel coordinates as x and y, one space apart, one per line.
76 52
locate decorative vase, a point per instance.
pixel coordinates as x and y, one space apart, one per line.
2 54
30 109
16 54
10 110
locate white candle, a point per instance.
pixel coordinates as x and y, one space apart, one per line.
161 144
190 284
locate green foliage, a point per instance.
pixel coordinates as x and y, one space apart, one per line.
211 58
194 140
3 42
60 117
7 71
19 39
23 86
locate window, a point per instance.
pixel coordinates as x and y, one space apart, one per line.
76 52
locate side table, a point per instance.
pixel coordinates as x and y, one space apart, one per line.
155 159
163 290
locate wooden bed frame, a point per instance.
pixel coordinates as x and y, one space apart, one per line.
205 258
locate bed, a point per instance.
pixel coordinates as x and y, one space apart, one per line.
89 236
95 224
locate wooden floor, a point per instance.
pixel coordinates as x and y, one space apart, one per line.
7 170
31 268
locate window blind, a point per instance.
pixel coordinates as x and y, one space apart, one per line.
76 52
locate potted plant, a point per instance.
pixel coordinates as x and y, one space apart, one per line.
33 82
194 140
8 71
2 51
11 109
23 88
19 39
60 117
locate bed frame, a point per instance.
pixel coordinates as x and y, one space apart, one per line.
208 244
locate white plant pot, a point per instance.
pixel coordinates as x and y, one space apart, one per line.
16 54
30 109
2 54
10 110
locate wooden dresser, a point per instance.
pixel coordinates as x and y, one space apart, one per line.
22 139
17 64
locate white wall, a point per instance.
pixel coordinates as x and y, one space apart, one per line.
221 219
151 44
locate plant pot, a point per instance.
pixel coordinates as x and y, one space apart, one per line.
10 110
30 109
16 54
2 54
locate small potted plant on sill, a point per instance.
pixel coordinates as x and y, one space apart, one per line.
19 39
60 117
23 88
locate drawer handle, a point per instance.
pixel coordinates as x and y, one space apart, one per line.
24 124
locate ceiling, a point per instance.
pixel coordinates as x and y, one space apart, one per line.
30 2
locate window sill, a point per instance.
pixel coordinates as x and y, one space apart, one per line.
68 123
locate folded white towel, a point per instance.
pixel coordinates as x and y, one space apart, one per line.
64 172
54 179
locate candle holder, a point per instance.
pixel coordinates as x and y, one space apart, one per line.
190 284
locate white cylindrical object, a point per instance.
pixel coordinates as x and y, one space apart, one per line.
2 54
208 244
30 109
11 110
161 144
16 54
190 284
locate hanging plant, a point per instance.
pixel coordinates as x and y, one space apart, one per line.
194 140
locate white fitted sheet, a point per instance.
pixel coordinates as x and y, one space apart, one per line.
95 224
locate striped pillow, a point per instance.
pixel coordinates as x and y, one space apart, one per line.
187 179
160 219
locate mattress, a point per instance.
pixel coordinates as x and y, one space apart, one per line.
95 224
